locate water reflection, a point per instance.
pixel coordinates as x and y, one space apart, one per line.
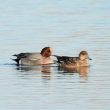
82 71
45 70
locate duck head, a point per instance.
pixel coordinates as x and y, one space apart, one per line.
46 52
83 55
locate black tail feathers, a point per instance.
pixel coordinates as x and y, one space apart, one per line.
57 56
17 61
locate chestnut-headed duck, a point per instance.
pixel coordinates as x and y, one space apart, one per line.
32 59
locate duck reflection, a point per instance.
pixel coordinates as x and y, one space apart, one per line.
82 71
45 70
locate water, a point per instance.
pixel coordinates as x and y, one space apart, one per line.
68 27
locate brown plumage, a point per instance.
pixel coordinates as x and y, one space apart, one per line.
66 61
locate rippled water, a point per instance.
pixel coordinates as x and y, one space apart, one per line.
68 27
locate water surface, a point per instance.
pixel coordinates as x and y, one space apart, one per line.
68 27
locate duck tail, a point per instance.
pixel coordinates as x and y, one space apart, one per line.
59 60
57 56
17 61
15 55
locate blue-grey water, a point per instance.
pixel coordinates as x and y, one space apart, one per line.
68 26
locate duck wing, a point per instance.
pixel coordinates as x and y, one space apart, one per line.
66 59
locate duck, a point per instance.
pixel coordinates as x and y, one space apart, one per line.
67 61
34 58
